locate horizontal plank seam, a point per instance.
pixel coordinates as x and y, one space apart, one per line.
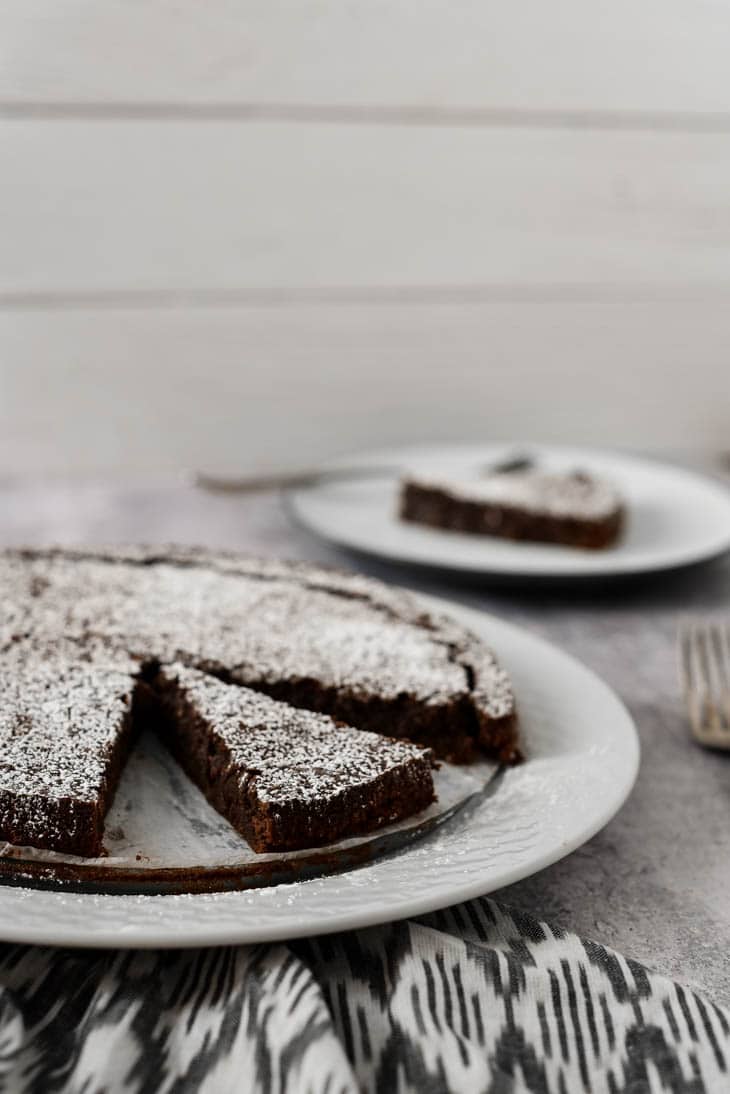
30 300
417 115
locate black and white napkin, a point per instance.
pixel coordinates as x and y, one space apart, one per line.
477 998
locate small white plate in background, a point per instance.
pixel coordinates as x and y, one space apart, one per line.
675 517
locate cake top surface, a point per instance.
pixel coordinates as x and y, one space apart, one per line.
261 621
59 721
565 494
78 628
291 754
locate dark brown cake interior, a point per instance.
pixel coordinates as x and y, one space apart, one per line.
438 506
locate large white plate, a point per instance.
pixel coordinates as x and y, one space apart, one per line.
675 517
583 756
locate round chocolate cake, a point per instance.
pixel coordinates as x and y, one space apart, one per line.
308 705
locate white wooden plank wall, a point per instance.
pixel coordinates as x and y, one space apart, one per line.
256 233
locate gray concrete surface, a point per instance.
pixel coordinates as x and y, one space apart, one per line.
655 884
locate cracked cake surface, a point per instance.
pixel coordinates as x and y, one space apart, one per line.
84 632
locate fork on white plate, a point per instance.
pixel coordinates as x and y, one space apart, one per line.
704 659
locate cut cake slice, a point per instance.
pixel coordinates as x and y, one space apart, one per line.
572 509
287 778
65 730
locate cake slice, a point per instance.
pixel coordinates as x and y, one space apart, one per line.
286 778
573 509
65 730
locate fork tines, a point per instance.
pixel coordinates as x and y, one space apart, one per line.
705 669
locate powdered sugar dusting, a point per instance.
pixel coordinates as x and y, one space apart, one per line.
559 495
277 625
78 627
58 724
293 755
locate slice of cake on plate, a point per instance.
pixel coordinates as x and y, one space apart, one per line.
287 778
572 508
65 732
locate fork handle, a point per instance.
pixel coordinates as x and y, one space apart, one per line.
288 480
314 476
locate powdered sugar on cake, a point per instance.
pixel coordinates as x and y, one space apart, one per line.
293 755
570 494
58 720
80 629
261 626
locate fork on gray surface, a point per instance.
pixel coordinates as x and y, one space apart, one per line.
704 658
317 476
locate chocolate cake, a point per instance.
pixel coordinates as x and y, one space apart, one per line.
287 778
573 509
87 638
65 730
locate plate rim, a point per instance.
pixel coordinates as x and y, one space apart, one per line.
152 936
610 566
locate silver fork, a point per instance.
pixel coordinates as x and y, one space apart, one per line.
704 658
316 476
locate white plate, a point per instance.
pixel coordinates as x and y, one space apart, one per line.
583 758
162 836
675 517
